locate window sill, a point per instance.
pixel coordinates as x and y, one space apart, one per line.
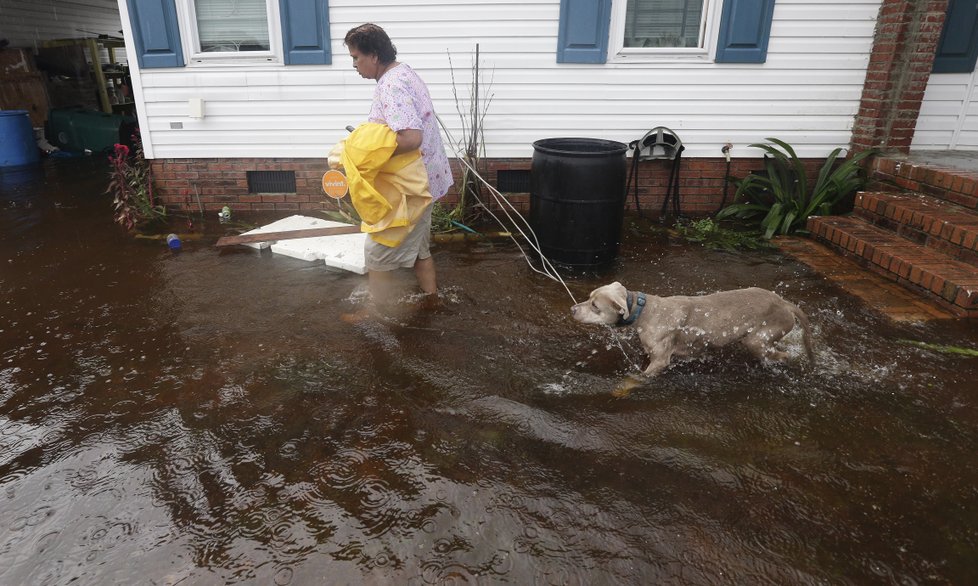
664 57
233 62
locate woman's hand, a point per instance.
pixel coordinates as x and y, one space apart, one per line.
408 140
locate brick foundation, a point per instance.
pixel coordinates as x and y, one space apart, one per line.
213 183
188 184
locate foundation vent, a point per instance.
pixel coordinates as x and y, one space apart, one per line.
513 180
271 181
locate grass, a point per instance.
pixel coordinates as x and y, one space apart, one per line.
943 349
711 234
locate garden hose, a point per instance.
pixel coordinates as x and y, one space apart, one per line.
633 172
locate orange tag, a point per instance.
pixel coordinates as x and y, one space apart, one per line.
334 184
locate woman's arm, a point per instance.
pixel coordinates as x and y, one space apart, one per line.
408 140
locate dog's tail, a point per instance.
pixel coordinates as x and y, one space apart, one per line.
806 331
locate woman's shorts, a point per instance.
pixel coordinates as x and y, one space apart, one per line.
414 247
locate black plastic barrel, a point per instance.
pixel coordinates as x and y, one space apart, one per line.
577 187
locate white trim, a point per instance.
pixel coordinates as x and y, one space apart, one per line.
190 39
963 116
618 53
136 75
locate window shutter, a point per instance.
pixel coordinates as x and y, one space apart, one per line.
745 27
305 32
958 47
156 33
583 33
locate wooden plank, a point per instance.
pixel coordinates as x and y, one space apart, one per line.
286 235
103 92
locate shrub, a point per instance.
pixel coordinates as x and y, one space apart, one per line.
131 185
780 201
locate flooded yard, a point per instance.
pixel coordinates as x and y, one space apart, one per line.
208 417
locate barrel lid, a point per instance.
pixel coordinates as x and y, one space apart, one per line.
580 147
13 112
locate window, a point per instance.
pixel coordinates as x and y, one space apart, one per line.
657 28
663 23
225 26
602 31
231 30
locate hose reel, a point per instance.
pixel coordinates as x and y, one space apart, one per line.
658 143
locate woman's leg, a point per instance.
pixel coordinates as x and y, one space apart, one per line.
381 285
424 270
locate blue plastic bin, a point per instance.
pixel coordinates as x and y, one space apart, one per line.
17 144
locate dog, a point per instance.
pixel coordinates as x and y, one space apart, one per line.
684 326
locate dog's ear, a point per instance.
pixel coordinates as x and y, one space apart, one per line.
619 298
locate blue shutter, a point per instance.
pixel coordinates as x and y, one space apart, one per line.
958 47
745 27
156 33
583 33
305 32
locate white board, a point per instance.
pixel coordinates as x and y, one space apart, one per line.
344 251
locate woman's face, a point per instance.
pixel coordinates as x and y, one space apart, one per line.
368 66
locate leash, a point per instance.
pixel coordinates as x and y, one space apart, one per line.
511 214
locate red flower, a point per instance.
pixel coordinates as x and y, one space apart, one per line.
121 150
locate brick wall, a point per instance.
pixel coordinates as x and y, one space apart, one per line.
907 33
213 183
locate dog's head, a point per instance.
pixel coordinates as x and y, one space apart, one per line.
605 305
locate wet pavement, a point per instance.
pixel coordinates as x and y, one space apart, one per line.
207 417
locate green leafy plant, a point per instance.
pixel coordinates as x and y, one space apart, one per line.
712 235
780 200
944 349
131 185
442 217
344 212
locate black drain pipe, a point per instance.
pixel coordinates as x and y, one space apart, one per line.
725 149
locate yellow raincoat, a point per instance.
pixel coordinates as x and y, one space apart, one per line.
389 192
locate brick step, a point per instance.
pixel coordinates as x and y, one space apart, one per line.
943 226
917 267
958 186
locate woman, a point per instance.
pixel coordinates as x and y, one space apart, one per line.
402 102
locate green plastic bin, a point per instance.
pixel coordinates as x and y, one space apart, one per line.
77 129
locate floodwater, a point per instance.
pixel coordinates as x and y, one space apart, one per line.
207 417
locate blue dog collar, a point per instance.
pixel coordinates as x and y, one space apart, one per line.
636 301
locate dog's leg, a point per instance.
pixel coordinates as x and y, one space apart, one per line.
762 347
625 387
659 363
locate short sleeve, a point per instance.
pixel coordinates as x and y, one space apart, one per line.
399 106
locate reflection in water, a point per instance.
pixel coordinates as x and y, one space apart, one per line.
206 417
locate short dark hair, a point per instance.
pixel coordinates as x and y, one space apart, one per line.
370 39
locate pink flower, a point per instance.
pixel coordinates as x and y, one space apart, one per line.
121 150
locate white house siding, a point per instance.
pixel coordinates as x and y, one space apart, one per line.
27 23
807 92
949 114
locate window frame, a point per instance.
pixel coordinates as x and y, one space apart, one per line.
187 14
709 30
